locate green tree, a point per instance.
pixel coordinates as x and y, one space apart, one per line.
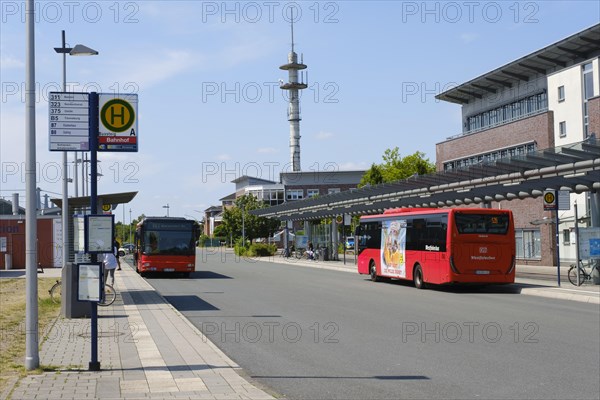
220 231
394 168
255 227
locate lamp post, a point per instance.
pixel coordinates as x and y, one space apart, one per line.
32 355
78 50
129 238
243 225
167 207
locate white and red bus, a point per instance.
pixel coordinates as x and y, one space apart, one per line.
438 246
166 244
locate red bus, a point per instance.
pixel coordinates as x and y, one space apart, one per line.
166 245
438 246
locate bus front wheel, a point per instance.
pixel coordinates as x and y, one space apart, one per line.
373 271
418 277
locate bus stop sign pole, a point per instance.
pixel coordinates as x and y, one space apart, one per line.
94 364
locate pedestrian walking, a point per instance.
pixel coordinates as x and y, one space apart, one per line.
110 264
116 246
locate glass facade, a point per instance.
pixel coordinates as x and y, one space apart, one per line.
507 113
490 156
588 93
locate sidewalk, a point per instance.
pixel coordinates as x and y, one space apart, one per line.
146 348
530 280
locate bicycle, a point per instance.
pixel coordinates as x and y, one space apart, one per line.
304 254
583 275
299 253
110 294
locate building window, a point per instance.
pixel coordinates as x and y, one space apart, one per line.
588 93
295 194
588 81
566 236
528 244
561 93
312 193
562 128
333 190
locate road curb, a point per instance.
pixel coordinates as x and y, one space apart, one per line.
540 291
556 293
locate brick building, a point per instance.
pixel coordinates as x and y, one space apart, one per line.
545 99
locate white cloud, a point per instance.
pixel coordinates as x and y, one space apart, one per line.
469 37
353 166
324 135
160 67
8 62
267 150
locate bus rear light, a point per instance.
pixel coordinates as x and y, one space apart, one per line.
453 266
512 266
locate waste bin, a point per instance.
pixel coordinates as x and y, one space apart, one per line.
596 275
70 307
324 254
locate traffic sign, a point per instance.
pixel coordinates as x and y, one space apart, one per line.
118 122
68 121
564 200
549 200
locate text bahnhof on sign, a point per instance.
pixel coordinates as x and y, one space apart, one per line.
69 122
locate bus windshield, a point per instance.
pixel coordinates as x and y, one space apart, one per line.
495 224
165 242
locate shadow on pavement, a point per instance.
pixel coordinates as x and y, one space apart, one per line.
193 275
190 303
377 377
514 288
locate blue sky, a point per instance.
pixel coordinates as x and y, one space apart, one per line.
206 75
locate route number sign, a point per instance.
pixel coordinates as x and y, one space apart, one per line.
68 121
118 128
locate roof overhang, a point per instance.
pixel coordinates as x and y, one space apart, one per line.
569 51
113 199
575 168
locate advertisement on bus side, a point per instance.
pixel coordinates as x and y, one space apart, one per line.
393 249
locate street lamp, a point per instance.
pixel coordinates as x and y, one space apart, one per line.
78 50
167 207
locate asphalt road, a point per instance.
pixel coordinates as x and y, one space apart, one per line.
314 334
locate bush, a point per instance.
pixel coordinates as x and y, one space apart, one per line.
261 250
202 240
240 248
254 249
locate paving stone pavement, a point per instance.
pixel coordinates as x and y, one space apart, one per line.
147 350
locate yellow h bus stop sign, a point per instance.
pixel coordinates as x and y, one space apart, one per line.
118 128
